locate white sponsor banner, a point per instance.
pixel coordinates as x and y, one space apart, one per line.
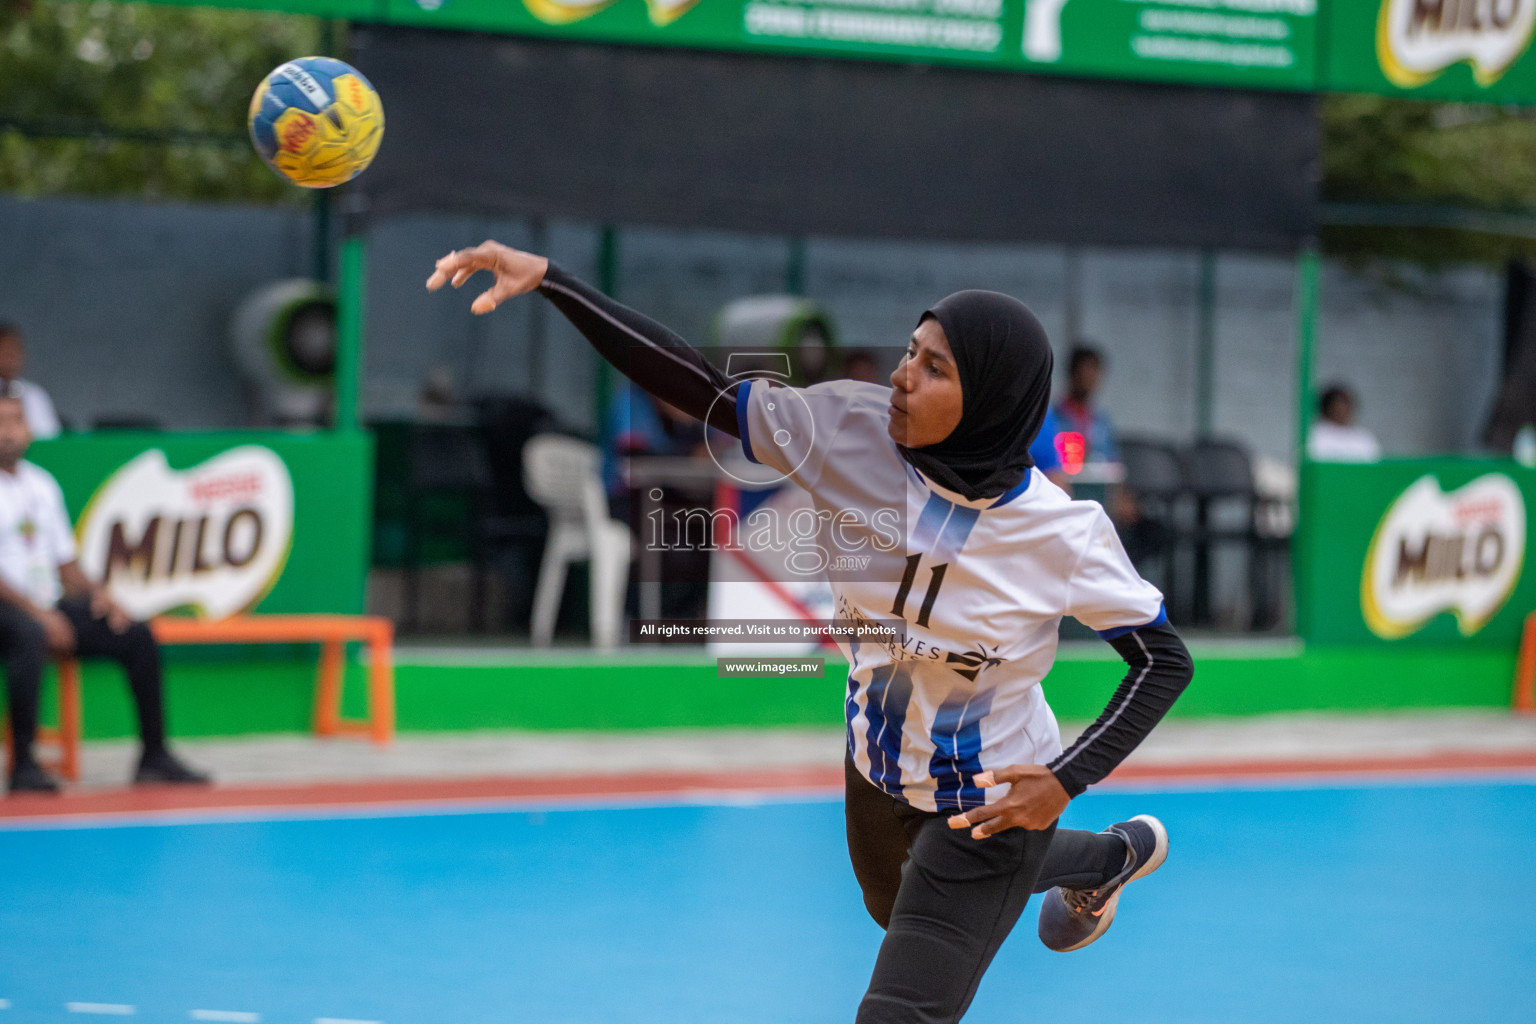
1434 551
213 538
1418 39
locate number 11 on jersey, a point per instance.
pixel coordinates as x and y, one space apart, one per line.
935 581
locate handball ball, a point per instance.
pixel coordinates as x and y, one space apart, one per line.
316 121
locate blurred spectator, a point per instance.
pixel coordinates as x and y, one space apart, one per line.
41 418
1334 436
642 425
1043 451
48 607
860 365
1095 440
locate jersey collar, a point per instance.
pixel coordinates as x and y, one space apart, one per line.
981 503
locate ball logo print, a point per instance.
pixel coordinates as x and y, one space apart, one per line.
306 84
213 538
1416 40
295 128
1434 551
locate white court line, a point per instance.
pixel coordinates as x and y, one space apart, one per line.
699 797
1323 780
233 1016
5 1004
109 1009
706 797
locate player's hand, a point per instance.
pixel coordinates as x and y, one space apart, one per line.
103 607
1034 800
60 634
517 273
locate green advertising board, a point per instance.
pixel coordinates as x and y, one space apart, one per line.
223 523
1471 50
963 31
1257 43
1416 552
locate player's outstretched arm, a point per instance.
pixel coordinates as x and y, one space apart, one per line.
643 350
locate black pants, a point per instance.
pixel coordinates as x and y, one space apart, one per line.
24 652
947 901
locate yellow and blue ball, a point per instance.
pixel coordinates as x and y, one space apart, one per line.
316 121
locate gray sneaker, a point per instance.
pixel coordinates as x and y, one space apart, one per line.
1072 918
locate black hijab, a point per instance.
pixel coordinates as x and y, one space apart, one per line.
1005 368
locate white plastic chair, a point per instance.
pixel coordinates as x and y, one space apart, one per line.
564 475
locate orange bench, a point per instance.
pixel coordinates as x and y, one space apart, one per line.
66 736
1524 701
331 632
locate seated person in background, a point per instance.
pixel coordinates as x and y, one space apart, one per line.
641 425
1043 451
1334 436
41 419
1076 412
48 607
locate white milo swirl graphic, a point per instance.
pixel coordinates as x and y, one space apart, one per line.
214 537
1433 552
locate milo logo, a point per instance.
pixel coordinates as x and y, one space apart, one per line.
1418 39
214 537
1433 552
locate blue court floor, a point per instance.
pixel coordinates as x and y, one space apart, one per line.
1392 903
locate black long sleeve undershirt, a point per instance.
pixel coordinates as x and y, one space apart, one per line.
664 365
646 352
1160 669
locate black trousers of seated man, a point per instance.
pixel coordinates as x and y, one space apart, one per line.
947 901
24 652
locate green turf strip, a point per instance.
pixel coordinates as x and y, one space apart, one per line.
225 696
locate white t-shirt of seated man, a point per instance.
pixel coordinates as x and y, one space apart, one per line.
35 535
1333 442
42 420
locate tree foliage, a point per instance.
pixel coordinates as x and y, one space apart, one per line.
138 99
1377 149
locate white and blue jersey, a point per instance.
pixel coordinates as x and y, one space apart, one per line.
980 588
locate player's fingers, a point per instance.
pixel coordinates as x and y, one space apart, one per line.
485 302
1004 776
992 827
444 269
974 816
461 275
